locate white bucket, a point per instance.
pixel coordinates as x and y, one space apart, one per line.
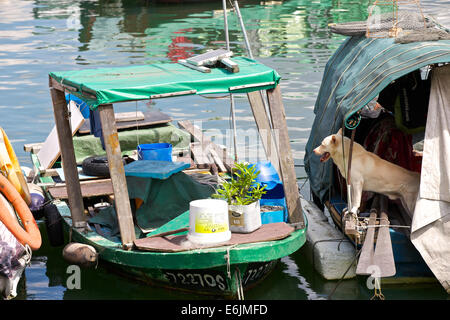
208 221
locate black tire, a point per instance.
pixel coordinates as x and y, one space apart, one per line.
54 225
97 166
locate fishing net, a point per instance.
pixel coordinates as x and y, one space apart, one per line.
423 35
406 20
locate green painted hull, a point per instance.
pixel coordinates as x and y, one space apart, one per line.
217 271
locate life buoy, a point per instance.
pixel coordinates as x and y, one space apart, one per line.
31 235
10 167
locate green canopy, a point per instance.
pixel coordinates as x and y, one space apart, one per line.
358 71
120 84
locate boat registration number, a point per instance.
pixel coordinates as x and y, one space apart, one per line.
210 279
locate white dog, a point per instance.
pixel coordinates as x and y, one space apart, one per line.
370 173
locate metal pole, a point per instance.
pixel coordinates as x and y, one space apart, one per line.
250 55
241 21
233 117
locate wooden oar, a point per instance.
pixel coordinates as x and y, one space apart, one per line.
383 257
367 251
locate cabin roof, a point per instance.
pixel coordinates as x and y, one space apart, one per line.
120 84
362 67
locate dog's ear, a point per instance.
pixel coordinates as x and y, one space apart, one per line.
339 132
333 139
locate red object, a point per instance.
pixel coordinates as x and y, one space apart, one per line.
177 52
392 144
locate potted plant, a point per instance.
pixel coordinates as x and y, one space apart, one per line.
242 193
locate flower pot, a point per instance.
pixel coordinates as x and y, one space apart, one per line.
244 218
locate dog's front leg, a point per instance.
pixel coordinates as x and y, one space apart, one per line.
357 189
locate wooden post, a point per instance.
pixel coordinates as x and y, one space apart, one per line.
117 172
286 160
68 158
264 128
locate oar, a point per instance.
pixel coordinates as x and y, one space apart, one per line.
383 257
366 257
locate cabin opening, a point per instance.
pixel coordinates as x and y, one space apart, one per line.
393 127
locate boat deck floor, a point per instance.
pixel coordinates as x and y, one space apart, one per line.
177 243
91 188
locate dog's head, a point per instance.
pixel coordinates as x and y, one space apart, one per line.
329 146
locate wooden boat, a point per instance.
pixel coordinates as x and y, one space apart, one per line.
402 78
223 269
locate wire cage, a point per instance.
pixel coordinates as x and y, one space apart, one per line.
384 19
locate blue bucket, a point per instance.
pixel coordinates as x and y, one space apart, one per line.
155 151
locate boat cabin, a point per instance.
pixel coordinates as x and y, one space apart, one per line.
102 88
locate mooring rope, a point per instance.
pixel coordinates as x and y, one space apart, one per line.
340 280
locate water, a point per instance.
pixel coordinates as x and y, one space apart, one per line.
37 37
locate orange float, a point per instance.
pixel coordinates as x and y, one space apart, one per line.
30 233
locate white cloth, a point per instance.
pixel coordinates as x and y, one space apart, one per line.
430 230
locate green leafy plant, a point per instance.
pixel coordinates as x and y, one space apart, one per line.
242 189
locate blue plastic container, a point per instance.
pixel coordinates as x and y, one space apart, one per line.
274 216
155 151
268 176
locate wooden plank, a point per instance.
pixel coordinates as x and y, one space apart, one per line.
383 257
194 171
129 116
151 118
267 232
366 258
89 189
187 159
287 169
200 157
68 158
217 160
207 143
51 150
117 172
264 128
33 147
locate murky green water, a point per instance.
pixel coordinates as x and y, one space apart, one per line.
292 36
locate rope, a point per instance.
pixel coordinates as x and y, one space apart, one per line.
240 289
340 280
28 254
137 127
228 260
306 180
377 295
386 225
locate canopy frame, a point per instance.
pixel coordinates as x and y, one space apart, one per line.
276 121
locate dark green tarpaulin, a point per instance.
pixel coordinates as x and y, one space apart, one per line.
89 145
354 75
111 85
163 200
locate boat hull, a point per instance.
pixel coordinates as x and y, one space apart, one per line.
221 271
